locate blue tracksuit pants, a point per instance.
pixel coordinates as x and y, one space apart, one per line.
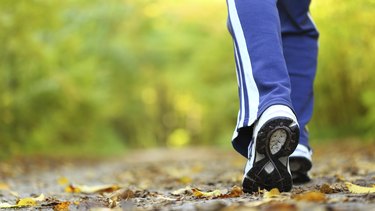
275 48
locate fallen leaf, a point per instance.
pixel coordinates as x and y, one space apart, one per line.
325 188
182 191
359 189
24 202
63 206
312 196
273 193
185 180
72 189
234 192
30 201
99 188
122 194
91 189
201 194
62 181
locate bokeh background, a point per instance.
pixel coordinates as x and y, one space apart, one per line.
97 77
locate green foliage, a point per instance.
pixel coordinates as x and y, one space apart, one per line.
344 88
91 74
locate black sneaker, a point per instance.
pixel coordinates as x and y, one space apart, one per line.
275 137
300 164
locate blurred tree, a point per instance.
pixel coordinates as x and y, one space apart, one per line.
93 76
345 67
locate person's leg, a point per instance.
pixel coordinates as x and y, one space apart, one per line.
300 47
263 78
267 130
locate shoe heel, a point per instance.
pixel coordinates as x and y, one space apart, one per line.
275 141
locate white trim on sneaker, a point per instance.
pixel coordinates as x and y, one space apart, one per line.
271 112
302 151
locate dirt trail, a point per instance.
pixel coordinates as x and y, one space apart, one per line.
185 179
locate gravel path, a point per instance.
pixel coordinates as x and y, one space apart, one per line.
184 179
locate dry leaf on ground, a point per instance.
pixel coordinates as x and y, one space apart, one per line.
182 191
91 189
234 192
273 193
63 206
62 181
122 194
359 189
312 196
185 180
325 188
24 202
72 189
211 194
30 201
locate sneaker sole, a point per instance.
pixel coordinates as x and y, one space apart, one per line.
276 140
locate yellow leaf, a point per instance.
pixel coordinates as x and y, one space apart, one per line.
359 189
234 192
26 202
30 201
63 206
72 189
312 196
91 189
185 180
62 181
201 194
273 193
